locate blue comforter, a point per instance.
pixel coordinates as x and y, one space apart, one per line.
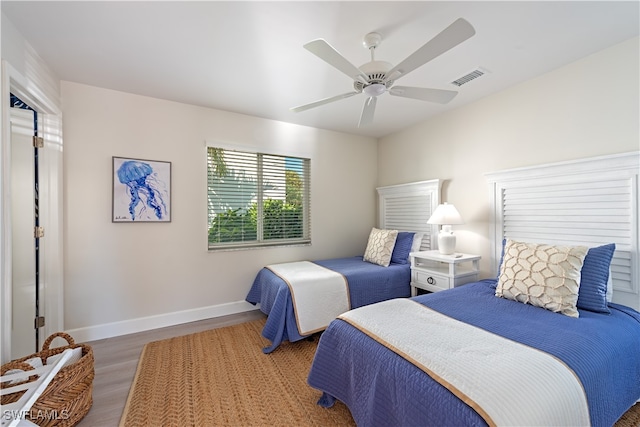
368 283
381 388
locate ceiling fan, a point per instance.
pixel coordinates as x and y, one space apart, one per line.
377 77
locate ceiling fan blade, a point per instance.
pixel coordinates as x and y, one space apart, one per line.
448 38
327 53
432 95
367 111
323 101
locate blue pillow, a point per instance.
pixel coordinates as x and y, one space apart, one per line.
400 254
592 294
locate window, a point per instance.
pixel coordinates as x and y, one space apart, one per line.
257 199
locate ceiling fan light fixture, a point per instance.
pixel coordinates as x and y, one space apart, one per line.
374 89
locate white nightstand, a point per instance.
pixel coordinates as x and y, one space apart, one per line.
433 271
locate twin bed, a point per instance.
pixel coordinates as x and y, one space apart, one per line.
405 208
368 283
543 343
384 381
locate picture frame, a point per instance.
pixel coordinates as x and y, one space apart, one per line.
141 190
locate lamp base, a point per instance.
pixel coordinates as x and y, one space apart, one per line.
446 242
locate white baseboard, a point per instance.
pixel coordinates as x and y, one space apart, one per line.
108 330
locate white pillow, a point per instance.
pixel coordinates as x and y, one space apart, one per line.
542 275
417 241
380 246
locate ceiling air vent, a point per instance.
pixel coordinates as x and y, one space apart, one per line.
468 77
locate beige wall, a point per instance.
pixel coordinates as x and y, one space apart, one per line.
588 108
117 273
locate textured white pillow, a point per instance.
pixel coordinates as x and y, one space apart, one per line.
542 275
380 246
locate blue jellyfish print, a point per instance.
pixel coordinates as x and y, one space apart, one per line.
143 188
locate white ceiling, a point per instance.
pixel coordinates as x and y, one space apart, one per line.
247 57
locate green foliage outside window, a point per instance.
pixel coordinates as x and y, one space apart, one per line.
281 221
232 226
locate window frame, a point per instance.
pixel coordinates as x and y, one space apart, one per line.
258 244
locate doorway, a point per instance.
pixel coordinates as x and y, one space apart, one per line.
33 83
26 318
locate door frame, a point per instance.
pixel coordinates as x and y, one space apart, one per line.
35 90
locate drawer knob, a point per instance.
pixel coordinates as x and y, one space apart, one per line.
431 280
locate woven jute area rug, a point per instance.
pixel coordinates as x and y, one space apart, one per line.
221 378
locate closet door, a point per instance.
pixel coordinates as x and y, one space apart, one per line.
23 250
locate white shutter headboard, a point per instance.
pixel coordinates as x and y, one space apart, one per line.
407 207
584 202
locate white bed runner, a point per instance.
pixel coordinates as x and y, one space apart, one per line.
319 295
507 383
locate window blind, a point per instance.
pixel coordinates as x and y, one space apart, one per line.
257 199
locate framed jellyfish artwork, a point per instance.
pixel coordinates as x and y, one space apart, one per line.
141 190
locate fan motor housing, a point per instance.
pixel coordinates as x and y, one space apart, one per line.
376 72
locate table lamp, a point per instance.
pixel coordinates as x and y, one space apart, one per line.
446 215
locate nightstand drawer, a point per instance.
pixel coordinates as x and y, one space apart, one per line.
433 271
430 281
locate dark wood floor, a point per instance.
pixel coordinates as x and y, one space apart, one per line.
116 360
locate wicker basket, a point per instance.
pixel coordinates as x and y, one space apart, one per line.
69 396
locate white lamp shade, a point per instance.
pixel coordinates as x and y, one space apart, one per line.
445 214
